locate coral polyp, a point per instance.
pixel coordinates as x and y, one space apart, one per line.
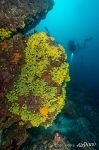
43 111
38 94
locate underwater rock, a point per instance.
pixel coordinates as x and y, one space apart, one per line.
38 94
52 142
44 77
11 62
19 15
60 143
17 61
13 137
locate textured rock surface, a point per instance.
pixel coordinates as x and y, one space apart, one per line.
52 142
13 137
11 62
20 15
15 17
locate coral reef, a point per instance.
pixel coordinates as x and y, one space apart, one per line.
39 92
33 72
26 79
21 15
52 142
13 141
11 62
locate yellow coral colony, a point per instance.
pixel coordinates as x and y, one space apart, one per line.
4 33
38 95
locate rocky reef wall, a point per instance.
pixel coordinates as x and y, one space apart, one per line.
33 75
16 17
21 15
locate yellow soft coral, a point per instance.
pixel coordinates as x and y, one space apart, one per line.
38 94
4 33
54 52
59 74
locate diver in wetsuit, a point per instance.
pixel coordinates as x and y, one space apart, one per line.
72 46
75 47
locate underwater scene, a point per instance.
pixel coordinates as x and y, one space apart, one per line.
49 74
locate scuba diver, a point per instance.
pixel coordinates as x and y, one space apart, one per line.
75 47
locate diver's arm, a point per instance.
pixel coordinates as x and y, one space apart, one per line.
86 40
84 44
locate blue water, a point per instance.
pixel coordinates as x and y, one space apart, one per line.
77 20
